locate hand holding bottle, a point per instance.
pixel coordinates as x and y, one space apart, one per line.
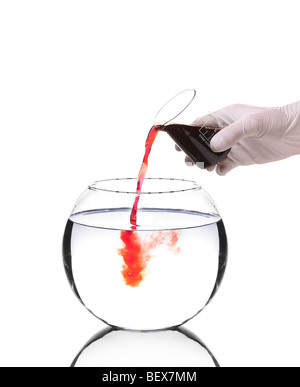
256 135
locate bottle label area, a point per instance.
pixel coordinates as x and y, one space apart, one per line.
206 134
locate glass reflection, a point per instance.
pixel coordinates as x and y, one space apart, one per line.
112 347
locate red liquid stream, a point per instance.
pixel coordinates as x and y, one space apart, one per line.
143 170
136 252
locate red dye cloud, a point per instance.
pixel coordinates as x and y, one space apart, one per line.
136 253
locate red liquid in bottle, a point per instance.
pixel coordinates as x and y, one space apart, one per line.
195 143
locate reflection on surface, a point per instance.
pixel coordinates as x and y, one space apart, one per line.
170 348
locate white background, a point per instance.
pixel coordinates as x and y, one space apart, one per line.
80 82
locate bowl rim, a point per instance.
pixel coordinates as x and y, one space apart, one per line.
191 186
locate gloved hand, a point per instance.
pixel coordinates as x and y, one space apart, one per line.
256 135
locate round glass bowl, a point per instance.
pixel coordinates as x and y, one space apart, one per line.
156 275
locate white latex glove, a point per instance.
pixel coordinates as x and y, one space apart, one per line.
256 135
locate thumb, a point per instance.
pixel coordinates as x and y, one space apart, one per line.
232 134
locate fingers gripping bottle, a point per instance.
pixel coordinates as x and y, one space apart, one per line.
195 143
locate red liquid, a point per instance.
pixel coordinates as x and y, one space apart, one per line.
195 142
136 252
148 145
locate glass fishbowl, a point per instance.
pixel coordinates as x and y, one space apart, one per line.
154 275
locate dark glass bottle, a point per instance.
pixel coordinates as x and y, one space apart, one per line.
195 143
